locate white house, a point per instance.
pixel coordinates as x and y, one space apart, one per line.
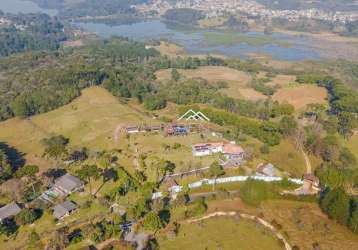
203 149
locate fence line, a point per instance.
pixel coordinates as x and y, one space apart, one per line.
197 184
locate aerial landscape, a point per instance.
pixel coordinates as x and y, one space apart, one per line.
177 124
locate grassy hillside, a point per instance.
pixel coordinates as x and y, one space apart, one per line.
89 121
222 233
299 220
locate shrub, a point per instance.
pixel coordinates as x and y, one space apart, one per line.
254 192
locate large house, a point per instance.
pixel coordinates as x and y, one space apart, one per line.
230 150
9 211
233 152
203 149
67 184
64 209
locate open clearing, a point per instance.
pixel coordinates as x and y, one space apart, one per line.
300 96
299 220
222 233
237 80
89 120
249 94
170 49
209 73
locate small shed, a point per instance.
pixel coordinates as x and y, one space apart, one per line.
266 170
9 211
64 209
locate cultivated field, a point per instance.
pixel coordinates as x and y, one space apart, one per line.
300 96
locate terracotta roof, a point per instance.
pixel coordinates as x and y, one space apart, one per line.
232 149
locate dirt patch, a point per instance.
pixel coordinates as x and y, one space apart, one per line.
170 49
210 73
282 80
251 94
300 96
73 44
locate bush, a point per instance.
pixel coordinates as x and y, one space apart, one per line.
155 103
26 216
198 208
152 222
265 149
254 192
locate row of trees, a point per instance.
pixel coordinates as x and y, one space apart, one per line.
343 101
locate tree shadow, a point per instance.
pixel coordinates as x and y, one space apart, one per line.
15 157
55 173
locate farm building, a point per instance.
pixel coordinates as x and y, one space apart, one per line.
64 209
132 129
9 211
67 184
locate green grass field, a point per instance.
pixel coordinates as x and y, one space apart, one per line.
222 233
231 38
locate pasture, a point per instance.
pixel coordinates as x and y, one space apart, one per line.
221 233
300 96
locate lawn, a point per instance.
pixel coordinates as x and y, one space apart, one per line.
152 146
222 233
352 144
303 223
287 158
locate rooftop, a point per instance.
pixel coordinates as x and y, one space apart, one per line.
9 210
68 182
61 210
232 149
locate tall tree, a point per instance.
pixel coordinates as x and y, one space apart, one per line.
88 173
336 204
215 171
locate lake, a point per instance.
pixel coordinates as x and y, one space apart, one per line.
278 45
19 6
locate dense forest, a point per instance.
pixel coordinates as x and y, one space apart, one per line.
30 32
43 85
184 16
98 8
